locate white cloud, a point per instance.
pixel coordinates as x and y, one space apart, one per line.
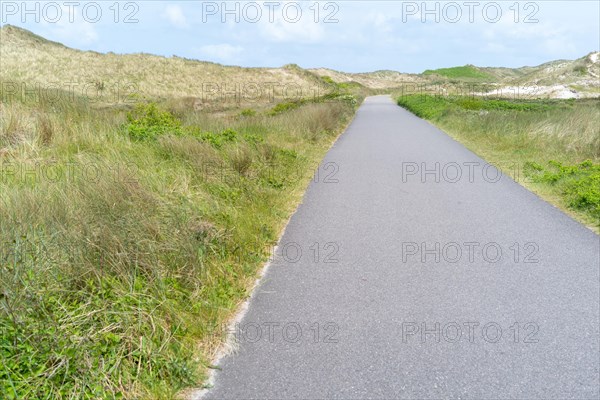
380 21
175 16
549 37
559 46
73 34
303 31
285 29
80 33
221 52
76 33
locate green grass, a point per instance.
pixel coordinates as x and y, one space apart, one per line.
550 146
129 236
579 183
433 107
464 72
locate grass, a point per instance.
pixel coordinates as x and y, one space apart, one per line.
550 146
129 235
464 72
31 63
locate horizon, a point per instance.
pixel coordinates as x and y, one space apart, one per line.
307 68
545 31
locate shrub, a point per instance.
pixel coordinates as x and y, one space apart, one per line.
580 69
285 106
328 80
147 121
252 138
218 139
347 98
248 113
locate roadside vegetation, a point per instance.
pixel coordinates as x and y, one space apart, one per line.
550 146
130 234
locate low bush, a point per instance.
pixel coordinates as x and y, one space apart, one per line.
220 138
147 121
248 113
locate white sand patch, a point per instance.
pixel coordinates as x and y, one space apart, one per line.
533 92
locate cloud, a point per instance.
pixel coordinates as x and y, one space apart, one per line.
79 33
300 32
381 22
76 33
287 28
549 37
175 16
559 46
221 52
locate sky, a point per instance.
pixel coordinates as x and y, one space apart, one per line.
351 36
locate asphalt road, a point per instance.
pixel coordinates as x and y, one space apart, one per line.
394 283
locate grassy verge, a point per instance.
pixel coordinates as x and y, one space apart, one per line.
550 146
128 237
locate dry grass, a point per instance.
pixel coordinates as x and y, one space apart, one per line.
16 125
241 159
55 71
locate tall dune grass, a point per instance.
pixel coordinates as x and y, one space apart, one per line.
121 258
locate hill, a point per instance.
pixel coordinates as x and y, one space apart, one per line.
375 80
111 78
40 63
466 72
578 78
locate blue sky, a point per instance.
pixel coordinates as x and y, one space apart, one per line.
352 36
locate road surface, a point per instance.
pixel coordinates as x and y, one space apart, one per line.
413 270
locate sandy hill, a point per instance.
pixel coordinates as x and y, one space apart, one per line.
40 63
31 60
